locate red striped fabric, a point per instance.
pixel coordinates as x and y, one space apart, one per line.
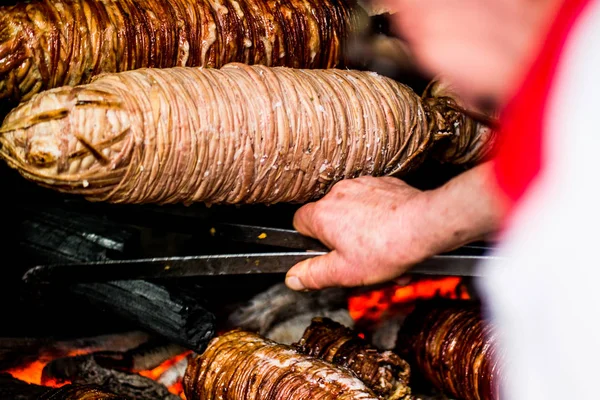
520 157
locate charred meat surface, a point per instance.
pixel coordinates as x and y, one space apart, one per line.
245 366
46 44
383 371
457 148
236 135
454 349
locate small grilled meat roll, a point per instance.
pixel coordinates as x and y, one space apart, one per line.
454 349
245 366
383 371
79 392
51 43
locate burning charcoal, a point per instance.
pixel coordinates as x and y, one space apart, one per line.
385 333
58 235
147 356
19 352
279 304
85 370
174 374
454 349
245 366
177 313
291 330
14 389
83 392
384 372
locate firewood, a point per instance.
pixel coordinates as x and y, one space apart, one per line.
145 357
176 313
239 134
84 370
15 352
46 44
80 392
15 389
58 235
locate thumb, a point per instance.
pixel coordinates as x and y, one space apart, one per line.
317 273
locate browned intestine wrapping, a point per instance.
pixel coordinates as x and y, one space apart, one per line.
469 136
240 134
52 43
239 365
79 392
454 349
383 371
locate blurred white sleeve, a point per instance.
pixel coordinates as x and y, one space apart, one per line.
546 299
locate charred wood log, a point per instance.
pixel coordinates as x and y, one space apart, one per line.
15 389
177 313
60 235
15 352
147 356
279 304
80 392
383 371
85 370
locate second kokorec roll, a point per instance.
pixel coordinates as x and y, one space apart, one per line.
47 43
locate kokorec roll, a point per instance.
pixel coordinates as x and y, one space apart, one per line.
239 134
240 365
46 43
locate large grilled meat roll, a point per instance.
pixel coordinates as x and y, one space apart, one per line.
454 349
239 365
239 134
52 43
383 371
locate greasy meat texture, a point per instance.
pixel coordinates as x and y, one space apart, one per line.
471 140
454 349
239 134
382 371
79 392
52 43
239 365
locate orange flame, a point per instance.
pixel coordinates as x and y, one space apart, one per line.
373 305
157 372
32 372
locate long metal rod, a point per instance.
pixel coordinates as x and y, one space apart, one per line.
219 265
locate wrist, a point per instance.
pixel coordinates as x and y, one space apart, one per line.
464 210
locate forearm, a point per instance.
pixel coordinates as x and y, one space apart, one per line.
464 210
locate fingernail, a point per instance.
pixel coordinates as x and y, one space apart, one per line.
294 283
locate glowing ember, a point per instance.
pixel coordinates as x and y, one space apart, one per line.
157 372
32 372
375 304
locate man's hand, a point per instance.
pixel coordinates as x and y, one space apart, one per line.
377 228
372 226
